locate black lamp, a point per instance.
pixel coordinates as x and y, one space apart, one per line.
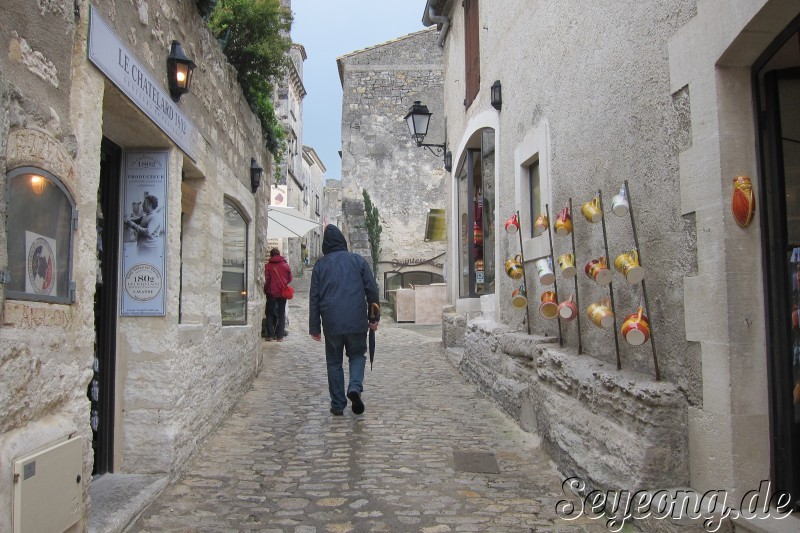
255 175
179 71
418 118
497 95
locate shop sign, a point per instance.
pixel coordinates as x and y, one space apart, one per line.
416 261
114 59
144 234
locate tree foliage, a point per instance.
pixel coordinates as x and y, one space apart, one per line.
254 35
374 230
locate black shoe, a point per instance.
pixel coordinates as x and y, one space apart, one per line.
336 412
355 398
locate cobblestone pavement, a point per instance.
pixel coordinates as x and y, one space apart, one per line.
282 462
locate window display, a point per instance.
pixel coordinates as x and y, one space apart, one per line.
40 226
476 198
233 294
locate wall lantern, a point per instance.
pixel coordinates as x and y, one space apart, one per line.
255 175
179 71
497 95
37 184
418 118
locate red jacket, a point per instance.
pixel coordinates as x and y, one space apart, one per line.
277 273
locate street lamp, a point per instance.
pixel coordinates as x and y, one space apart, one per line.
179 71
255 175
496 95
418 118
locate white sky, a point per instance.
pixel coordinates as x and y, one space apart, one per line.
332 28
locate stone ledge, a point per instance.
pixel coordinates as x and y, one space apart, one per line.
614 429
118 499
770 524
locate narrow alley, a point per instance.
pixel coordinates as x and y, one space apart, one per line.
421 457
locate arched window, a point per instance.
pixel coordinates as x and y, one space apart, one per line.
40 219
233 291
476 198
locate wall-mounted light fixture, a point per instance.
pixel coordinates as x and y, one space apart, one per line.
179 71
497 95
255 175
418 118
37 184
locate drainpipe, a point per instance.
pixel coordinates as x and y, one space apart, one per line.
430 18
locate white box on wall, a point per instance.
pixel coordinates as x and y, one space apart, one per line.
48 488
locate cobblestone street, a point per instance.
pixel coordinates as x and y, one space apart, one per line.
419 458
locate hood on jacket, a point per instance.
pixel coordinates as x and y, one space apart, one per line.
277 259
333 240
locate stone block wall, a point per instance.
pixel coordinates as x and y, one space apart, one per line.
379 86
611 428
177 375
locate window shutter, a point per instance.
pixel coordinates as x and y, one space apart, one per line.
472 51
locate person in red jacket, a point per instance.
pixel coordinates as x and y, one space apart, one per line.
277 274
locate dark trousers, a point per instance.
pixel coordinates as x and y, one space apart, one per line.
276 307
355 345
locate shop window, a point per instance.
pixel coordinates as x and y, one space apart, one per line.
41 218
532 190
534 193
476 217
233 291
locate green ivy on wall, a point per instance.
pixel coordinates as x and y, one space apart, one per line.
254 36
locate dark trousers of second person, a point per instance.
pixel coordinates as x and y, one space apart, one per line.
277 307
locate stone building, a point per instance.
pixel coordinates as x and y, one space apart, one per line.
675 99
313 199
332 210
289 173
132 240
403 181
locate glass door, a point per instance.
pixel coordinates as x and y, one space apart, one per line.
781 182
476 217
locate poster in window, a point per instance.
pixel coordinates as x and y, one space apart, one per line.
144 234
40 264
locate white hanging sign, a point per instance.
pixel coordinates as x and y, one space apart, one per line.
114 59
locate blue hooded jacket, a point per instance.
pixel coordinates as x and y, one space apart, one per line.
342 288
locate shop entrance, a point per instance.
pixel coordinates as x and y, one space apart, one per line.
101 388
777 83
476 195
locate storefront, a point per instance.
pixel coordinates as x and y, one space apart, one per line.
776 84
645 298
132 244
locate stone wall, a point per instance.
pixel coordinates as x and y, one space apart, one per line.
610 428
176 375
660 95
379 85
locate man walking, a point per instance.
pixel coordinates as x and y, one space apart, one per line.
342 289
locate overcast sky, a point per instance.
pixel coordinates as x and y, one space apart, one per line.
332 28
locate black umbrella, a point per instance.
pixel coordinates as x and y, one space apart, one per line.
374 318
